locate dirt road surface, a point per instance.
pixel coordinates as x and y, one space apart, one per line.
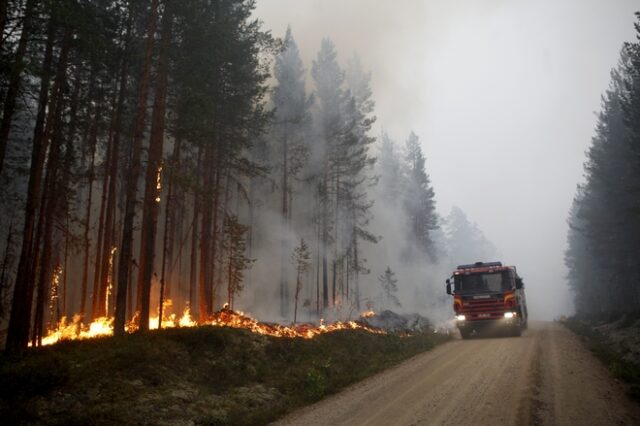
545 377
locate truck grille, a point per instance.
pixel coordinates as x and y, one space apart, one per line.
483 309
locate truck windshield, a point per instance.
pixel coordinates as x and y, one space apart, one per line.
482 283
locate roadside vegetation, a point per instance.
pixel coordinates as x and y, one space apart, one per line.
615 339
202 375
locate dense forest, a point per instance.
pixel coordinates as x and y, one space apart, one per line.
603 245
160 155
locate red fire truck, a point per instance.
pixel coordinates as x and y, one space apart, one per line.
488 295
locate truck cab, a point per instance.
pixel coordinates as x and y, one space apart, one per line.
488 295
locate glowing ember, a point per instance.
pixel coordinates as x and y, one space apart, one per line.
75 329
367 314
55 288
109 278
159 184
229 318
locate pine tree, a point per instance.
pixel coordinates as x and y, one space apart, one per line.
419 199
291 125
125 253
465 240
602 244
389 170
236 262
330 97
356 168
389 284
301 260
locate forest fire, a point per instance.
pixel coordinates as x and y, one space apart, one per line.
76 330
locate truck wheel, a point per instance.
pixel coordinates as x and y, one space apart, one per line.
517 330
466 334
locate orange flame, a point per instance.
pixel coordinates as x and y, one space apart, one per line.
76 330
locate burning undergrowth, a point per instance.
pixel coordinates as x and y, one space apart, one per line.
192 375
77 330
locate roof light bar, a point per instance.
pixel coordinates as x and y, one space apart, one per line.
480 265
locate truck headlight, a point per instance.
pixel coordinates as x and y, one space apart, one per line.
461 317
509 315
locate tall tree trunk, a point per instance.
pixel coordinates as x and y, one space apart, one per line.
152 189
124 261
356 269
336 238
104 250
68 161
284 285
93 141
109 236
50 197
19 321
169 228
318 272
13 88
325 237
284 249
6 260
206 240
193 265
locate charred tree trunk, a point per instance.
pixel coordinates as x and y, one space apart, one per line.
284 249
193 272
109 236
6 261
169 227
93 141
104 250
50 197
206 240
124 261
318 271
356 263
19 321
154 169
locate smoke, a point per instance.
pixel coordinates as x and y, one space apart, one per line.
502 95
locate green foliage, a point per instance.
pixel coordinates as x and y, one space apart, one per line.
206 375
235 260
603 249
389 285
621 368
419 199
22 379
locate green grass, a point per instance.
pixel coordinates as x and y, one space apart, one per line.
205 375
624 370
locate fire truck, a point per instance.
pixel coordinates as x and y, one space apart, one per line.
488 296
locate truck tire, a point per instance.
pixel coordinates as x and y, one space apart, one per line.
517 330
466 334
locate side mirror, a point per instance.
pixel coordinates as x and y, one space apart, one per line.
448 286
519 283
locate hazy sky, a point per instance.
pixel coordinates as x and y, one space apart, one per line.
503 95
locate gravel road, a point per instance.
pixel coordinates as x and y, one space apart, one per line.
545 377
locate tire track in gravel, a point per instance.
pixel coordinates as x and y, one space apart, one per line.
545 377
